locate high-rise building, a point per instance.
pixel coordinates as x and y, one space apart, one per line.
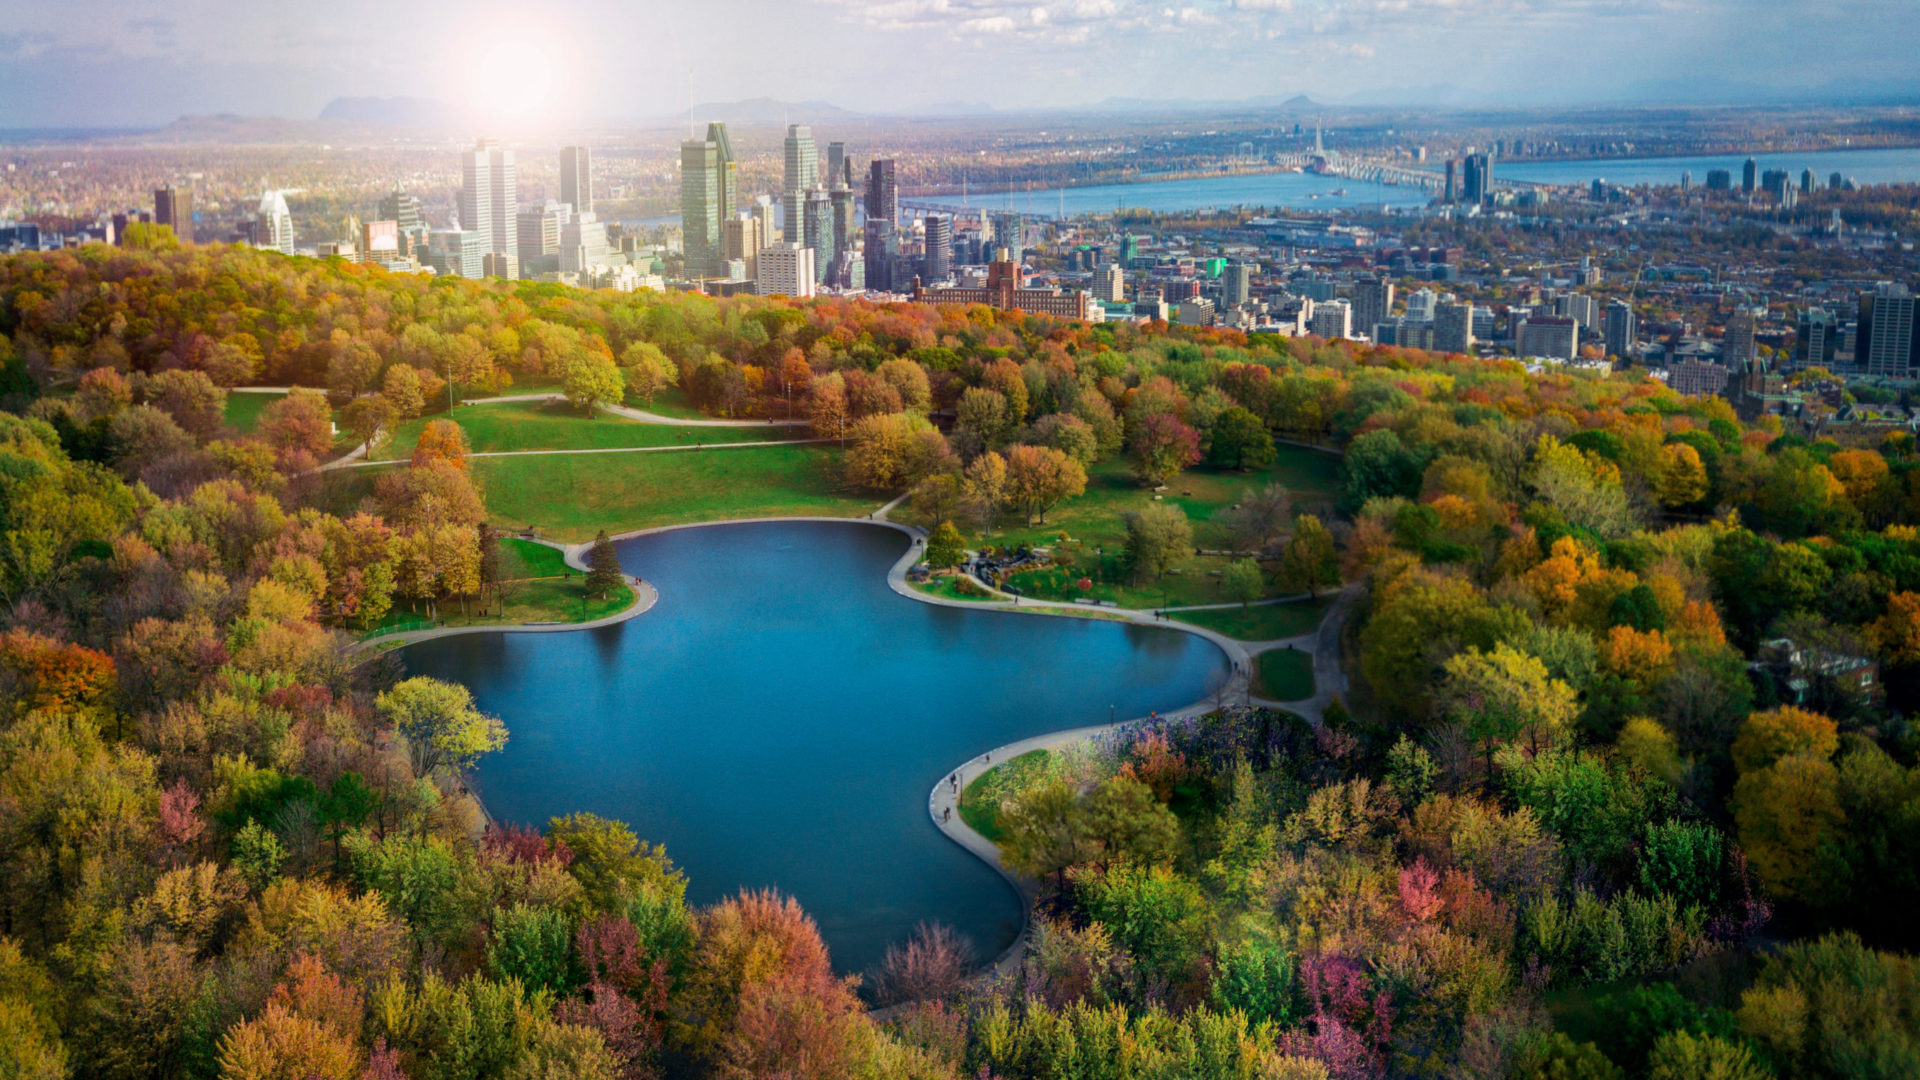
1578 306
275 227
1129 249
380 243
937 264
1420 305
819 231
476 194
1453 181
503 187
836 158
1835 182
1819 332
729 191
1009 232
1806 181
1719 180
583 244
786 269
1737 348
576 178
173 207
700 214
741 240
840 197
1556 337
763 212
1110 283
1372 302
1749 176
1623 328
1453 326
802 175
1332 319
1236 284
881 252
539 231
1476 185
403 208
457 252
883 194
1886 340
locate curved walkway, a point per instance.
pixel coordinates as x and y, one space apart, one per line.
641 415
348 463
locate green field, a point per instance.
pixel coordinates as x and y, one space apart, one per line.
1096 529
1264 622
572 497
539 425
669 402
1284 675
243 410
955 587
979 805
526 559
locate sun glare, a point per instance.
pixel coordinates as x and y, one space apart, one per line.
512 79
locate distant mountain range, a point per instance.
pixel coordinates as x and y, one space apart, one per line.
391 112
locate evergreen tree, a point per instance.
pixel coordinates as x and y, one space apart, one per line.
603 567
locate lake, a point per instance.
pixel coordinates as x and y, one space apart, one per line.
780 715
1866 166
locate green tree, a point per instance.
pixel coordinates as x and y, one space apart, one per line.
945 547
1240 440
535 946
1124 821
1158 539
603 567
1310 561
442 727
591 379
1044 830
257 854
1498 695
612 864
647 370
1243 581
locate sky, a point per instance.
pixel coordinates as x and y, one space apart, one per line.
136 63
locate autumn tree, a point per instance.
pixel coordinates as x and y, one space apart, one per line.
442 727
1158 539
945 548
647 371
1038 477
1160 446
590 379
1242 580
1310 561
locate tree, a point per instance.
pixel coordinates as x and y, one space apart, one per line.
1682 479
940 497
1044 830
1038 477
192 399
1067 433
368 418
441 440
648 371
986 486
300 423
1787 812
1158 539
879 449
590 380
1309 560
1240 440
1160 446
1379 465
1498 695
945 548
1243 581
931 966
603 567
1262 518
1124 821
442 727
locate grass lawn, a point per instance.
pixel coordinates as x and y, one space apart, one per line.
1284 675
1266 622
243 410
980 805
951 588
526 559
669 402
571 498
1096 529
535 600
539 425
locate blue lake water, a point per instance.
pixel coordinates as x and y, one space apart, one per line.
1867 166
780 716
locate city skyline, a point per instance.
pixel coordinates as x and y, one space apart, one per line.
91 64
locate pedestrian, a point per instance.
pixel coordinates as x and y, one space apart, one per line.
947 814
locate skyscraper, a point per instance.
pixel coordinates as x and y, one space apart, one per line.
1236 284
173 207
576 178
700 214
1477 183
1453 181
503 186
1749 176
1818 333
883 195
1886 341
476 194
938 262
841 198
786 269
403 208
802 175
836 158
820 232
1623 327
1453 327
1736 349
1372 303
729 190
1009 231
275 227
741 239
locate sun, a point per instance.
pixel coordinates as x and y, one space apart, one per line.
511 78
